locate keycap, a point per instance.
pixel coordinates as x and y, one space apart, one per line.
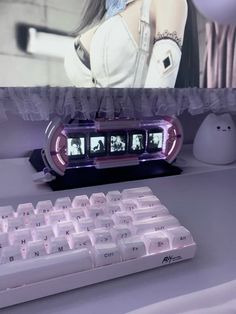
85 224
80 201
44 207
104 221
55 216
136 192
4 241
129 204
75 213
148 201
156 242
179 237
62 203
20 237
35 249
25 210
94 211
10 254
57 245
112 208
98 199
44 233
153 212
120 232
105 254
132 247
6 212
80 240
113 196
155 224
122 218
101 235
36 220
13 223
64 228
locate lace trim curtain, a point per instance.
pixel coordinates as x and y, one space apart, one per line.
39 103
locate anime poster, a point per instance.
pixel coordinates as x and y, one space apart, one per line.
135 44
114 43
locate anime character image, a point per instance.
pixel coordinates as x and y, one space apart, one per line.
76 146
118 144
97 144
135 43
137 142
155 141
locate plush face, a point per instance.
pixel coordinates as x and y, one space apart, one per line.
215 141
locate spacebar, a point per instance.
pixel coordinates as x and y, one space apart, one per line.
42 268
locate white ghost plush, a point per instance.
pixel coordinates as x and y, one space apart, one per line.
215 141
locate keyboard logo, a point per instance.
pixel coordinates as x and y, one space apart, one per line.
171 259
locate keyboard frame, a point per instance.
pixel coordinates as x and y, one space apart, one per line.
73 281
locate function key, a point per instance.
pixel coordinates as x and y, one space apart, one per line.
132 247
63 203
44 207
80 201
136 192
156 242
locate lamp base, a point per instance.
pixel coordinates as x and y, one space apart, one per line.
82 177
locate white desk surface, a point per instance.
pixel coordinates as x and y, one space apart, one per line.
203 198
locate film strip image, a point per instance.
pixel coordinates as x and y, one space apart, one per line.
155 140
118 143
97 145
137 142
76 146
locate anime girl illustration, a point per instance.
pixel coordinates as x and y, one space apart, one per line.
135 43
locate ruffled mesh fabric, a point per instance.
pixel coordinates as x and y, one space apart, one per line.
39 103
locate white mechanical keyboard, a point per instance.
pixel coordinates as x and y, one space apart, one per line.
47 249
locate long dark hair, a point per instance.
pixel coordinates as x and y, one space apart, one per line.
93 11
188 75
